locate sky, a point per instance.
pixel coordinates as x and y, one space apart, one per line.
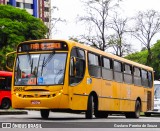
70 9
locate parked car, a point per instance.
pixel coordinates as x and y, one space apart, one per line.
156 109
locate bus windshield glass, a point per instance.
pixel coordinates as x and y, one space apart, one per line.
40 69
5 83
157 91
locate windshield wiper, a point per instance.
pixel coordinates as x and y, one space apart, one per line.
30 61
29 58
42 66
45 62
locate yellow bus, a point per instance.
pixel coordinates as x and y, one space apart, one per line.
66 76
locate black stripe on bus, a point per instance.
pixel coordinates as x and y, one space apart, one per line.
108 97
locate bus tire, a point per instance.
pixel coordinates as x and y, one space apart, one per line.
136 113
6 103
90 108
101 114
147 114
44 113
128 115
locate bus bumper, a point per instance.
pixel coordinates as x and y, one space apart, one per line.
36 103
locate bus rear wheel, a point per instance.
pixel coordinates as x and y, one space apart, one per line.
135 114
101 114
44 113
6 104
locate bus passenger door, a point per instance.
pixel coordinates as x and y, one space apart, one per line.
77 83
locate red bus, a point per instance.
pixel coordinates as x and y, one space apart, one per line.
5 89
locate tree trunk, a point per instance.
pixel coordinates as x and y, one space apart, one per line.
149 57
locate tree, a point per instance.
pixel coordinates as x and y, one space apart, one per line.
17 25
147 26
117 41
141 57
53 21
120 48
97 22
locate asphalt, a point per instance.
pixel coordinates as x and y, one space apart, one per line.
12 112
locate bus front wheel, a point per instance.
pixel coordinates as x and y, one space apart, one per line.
44 113
6 104
147 114
90 108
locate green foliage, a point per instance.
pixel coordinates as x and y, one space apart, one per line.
141 57
17 25
156 59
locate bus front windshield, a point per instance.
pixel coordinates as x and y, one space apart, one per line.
157 91
40 69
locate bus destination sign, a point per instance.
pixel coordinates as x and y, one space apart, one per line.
26 47
45 46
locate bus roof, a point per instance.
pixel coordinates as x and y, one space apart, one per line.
114 56
5 73
97 51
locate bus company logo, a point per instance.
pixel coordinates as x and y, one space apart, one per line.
36 95
6 125
89 81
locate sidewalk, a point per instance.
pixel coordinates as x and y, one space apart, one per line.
13 112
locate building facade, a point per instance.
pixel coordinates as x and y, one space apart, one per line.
37 8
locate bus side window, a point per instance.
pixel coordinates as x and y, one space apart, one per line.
94 66
107 68
77 65
128 74
150 79
144 78
2 83
9 83
5 83
118 75
137 76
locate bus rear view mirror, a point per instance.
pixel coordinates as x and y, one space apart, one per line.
10 57
72 67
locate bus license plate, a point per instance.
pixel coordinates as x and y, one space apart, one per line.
35 102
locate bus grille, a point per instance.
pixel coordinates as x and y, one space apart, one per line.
37 96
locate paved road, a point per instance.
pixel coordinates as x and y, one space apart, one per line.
75 121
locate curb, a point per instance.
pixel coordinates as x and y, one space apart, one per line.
13 112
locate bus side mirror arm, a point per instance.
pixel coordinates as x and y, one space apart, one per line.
10 61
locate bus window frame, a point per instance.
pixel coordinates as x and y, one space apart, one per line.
125 74
7 82
73 58
150 84
117 71
42 52
105 69
99 66
137 76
